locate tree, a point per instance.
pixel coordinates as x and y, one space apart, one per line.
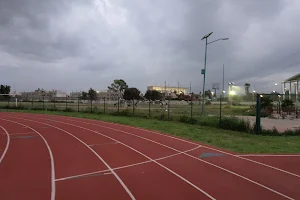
247 86
4 89
208 94
153 95
181 95
131 93
84 95
92 94
119 85
266 102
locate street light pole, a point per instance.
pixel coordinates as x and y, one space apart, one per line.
204 70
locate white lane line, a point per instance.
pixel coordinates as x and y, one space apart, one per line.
102 144
270 155
100 158
126 166
7 144
169 136
21 133
224 169
99 173
165 135
191 155
182 178
50 154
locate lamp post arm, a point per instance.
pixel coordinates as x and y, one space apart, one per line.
217 40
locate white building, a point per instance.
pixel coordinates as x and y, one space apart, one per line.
109 95
41 94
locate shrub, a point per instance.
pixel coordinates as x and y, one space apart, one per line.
52 109
68 110
287 103
236 124
292 132
188 120
212 121
274 132
162 116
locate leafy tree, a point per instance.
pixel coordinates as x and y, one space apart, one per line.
131 93
181 95
266 101
247 86
153 95
119 85
92 94
287 103
208 94
4 89
84 95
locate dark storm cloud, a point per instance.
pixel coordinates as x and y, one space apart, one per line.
146 42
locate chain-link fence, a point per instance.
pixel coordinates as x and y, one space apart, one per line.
271 105
167 109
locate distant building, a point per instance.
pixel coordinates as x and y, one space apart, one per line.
109 95
163 89
75 94
41 94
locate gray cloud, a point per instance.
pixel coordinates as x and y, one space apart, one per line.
74 45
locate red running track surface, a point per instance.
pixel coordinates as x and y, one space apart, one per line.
57 157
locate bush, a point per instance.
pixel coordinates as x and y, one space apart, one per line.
236 124
68 110
162 116
188 120
287 103
292 132
52 109
212 121
274 132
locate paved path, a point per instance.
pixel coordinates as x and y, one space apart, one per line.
280 124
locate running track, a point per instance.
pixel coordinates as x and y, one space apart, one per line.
56 157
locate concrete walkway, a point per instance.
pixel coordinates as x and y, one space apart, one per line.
280 124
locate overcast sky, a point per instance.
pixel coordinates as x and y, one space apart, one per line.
78 44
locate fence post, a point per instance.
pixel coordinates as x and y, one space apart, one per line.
91 105
191 105
43 103
149 108
168 108
258 109
31 103
66 102
118 105
77 104
104 104
221 96
133 106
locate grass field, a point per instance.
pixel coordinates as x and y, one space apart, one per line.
230 140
